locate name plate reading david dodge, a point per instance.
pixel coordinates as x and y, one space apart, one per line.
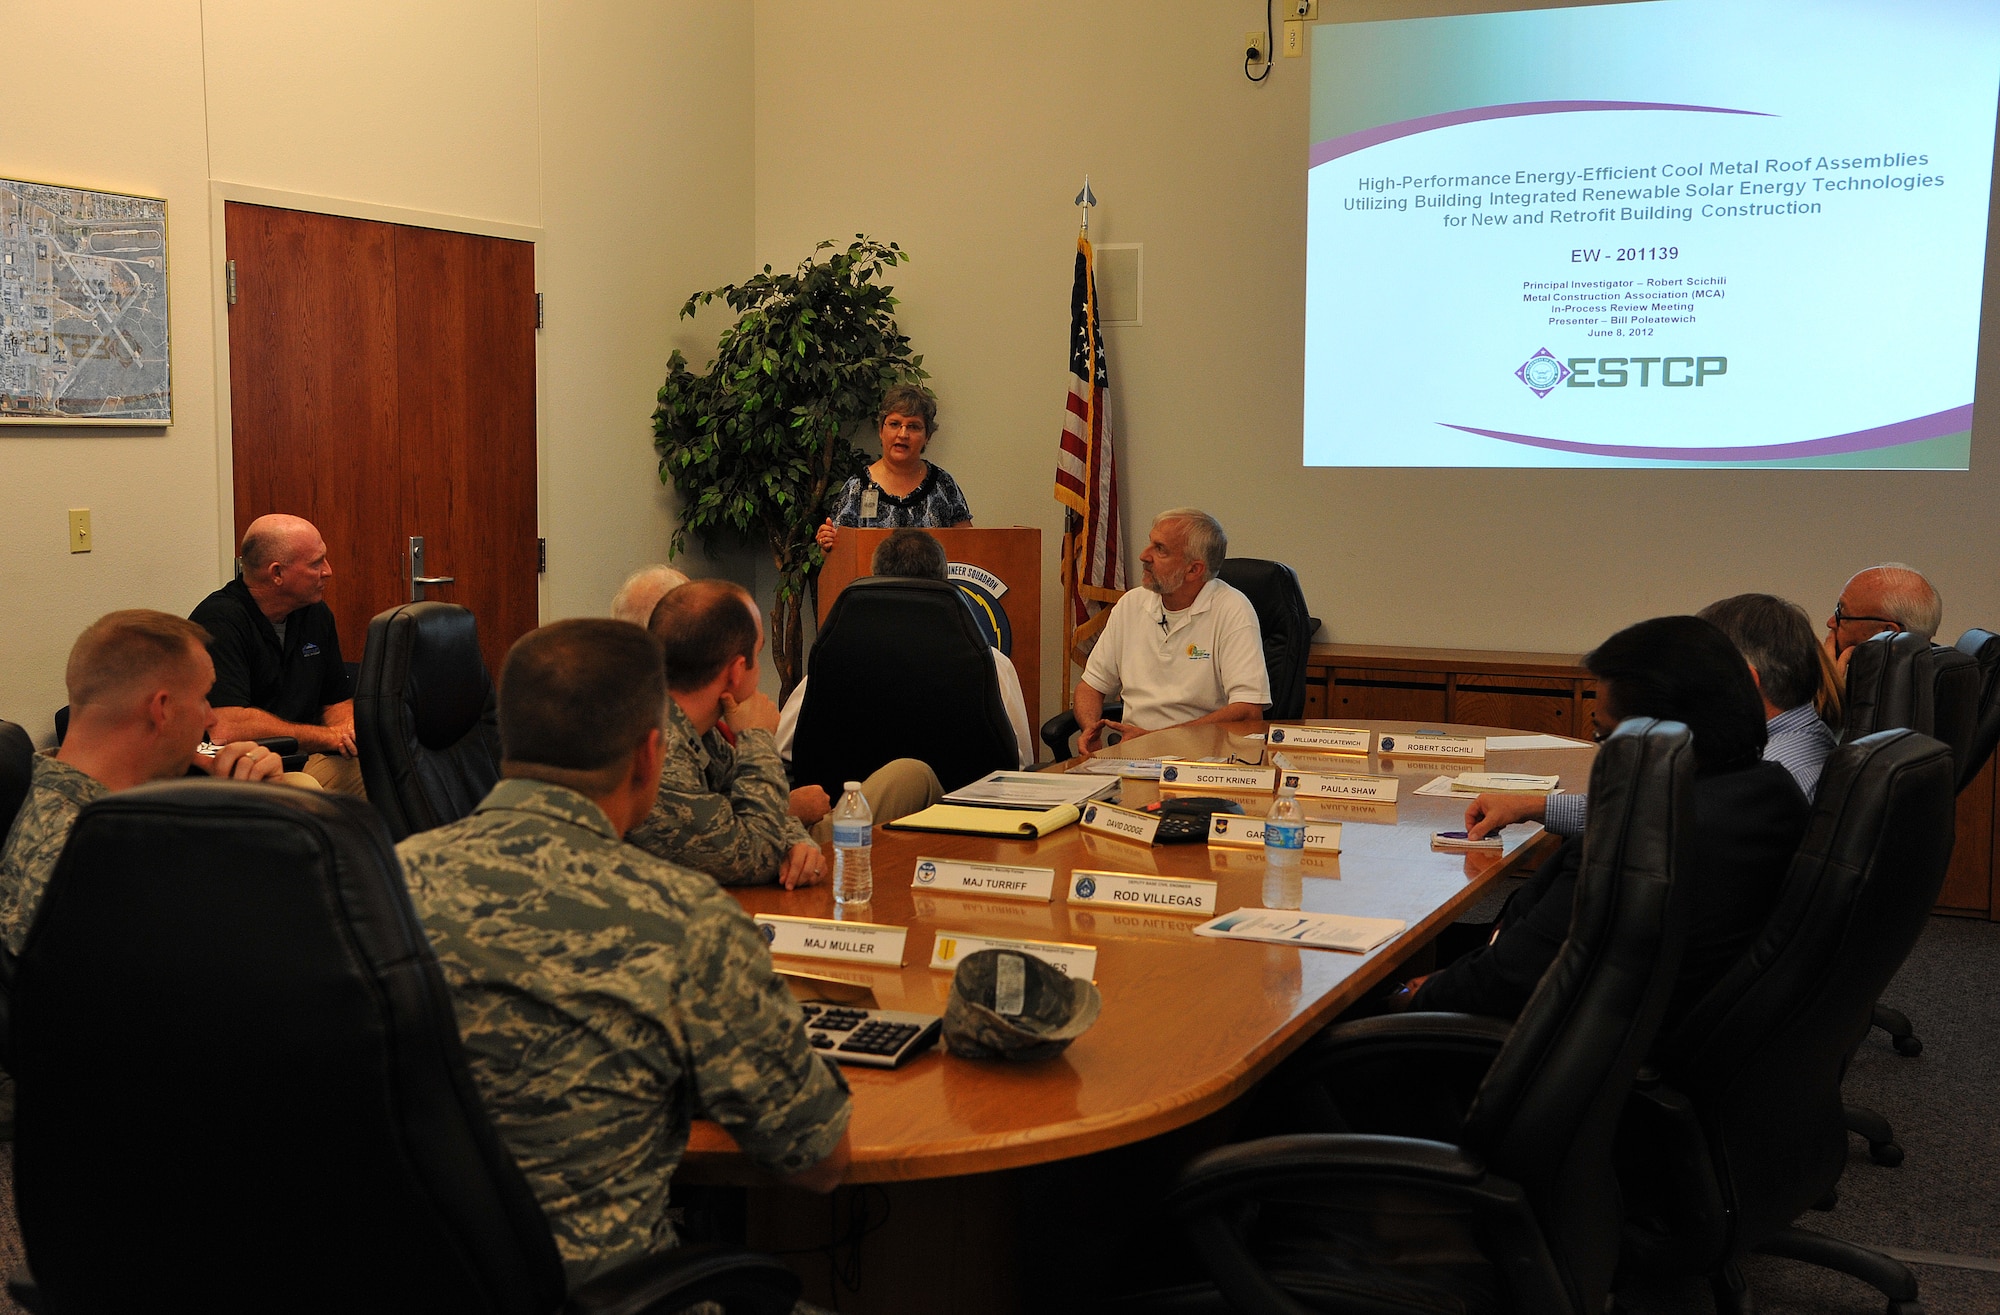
1335 785
1325 739
1121 822
984 879
1074 961
1422 744
1217 776
1128 890
1224 829
826 938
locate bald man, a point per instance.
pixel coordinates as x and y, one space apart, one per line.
1882 598
642 592
278 669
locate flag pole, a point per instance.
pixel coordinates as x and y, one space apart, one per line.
1073 523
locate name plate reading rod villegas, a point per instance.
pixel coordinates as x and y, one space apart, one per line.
948 874
1129 890
828 938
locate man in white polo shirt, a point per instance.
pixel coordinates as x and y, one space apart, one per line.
1182 650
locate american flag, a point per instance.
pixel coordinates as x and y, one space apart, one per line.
1086 471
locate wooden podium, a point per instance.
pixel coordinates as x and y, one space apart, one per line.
998 570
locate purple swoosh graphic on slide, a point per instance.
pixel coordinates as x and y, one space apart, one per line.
1936 425
1335 147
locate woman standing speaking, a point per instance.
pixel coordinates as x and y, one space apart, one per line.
902 489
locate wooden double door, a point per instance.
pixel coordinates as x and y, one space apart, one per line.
382 385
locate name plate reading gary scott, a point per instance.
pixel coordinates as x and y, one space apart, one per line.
1224 829
1128 890
1325 739
826 938
1334 785
1426 744
1217 776
1075 961
984 879
1121 822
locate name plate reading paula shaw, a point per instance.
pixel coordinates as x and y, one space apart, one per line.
1124 823
1429 744
1178 775
827 938
1334 785
1223 829
1323 739
1073 961
1129 890
984 879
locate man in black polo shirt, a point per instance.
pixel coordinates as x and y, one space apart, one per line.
278 669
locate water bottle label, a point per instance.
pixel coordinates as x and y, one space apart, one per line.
1284 835
850 835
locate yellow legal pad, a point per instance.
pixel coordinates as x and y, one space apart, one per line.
962 819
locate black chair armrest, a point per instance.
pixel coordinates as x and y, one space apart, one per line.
1406 1075
1057 729
741 1282
282 745
1675 1218
1391 1036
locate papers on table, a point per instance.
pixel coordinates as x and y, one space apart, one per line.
1449 788
1142 769
1504 742
1504 783
1318 931
1032 790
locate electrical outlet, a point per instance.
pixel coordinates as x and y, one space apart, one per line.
1295 38
1253 47
1306 9
79 529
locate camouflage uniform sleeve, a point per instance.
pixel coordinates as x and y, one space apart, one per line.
738 832
752 1069
29 858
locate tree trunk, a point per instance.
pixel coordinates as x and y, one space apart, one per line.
786 637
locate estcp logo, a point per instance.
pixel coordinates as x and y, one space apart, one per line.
926 872
1543 373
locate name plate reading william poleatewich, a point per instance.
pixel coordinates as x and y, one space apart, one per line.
1074 961
1217 776
1324 739
984 879
1129 890
1224 829
1425 744
1121 822
1335 785
826 938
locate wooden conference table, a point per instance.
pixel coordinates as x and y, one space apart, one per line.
1188 1023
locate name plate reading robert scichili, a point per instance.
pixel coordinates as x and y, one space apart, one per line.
1224 829
1337 785
1321 739
1429 744
1076 961
827 938
1121 822
984 879
1217 776
1129 890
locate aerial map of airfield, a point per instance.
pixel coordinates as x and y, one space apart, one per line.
83 306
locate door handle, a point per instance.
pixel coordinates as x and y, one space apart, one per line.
418 580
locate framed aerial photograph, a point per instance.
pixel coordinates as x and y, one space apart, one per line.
83 307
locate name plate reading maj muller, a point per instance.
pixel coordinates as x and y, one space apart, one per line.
984 879
826 938
1121 822
1224 829
1074 961
1424 744
1176 775
1128 890
1324 739
1333 785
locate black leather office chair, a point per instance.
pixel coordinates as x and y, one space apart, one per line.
1743 1131
900 670
17 769
1515 1206
425 719
1956 685
240 1086
1890 684
1983 646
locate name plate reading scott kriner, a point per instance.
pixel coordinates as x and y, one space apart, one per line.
1224 829
1121 822
1326 739
1333 785
984 878
1128 890
1423 744
1074 961
1217 776
826 938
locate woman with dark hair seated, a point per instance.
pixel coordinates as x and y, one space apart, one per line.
1749 818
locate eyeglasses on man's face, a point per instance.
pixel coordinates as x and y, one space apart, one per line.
1843 617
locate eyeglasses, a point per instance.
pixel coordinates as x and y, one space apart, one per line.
1840 617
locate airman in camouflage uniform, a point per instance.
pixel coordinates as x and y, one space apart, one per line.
56 794
607 998
721 810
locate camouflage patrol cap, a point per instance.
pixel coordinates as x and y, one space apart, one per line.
1008 1005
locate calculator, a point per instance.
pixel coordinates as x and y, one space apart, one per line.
874 1038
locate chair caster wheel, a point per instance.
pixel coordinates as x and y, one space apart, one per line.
1888 1154
1909 1046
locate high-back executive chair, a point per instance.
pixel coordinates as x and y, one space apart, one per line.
1956 684
240 1085
1983 647
1745 1122
425 718
1516 1208
1891 683
17 770
900 670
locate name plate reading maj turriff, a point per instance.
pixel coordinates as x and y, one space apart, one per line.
1121 822
1334 785
984 879
1224 829
1426 744
826 938
1128 890
1175 775
1323 739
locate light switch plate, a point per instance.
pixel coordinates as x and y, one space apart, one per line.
79 529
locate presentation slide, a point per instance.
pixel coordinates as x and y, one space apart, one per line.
1718 233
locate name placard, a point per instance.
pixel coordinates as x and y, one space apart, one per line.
984 879
1217 776
1326 739
1124 823
1127 890
1336 785
1420 744
1077 961
828 938
1249 831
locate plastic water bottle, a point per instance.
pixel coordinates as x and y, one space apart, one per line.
854 847
1284 830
